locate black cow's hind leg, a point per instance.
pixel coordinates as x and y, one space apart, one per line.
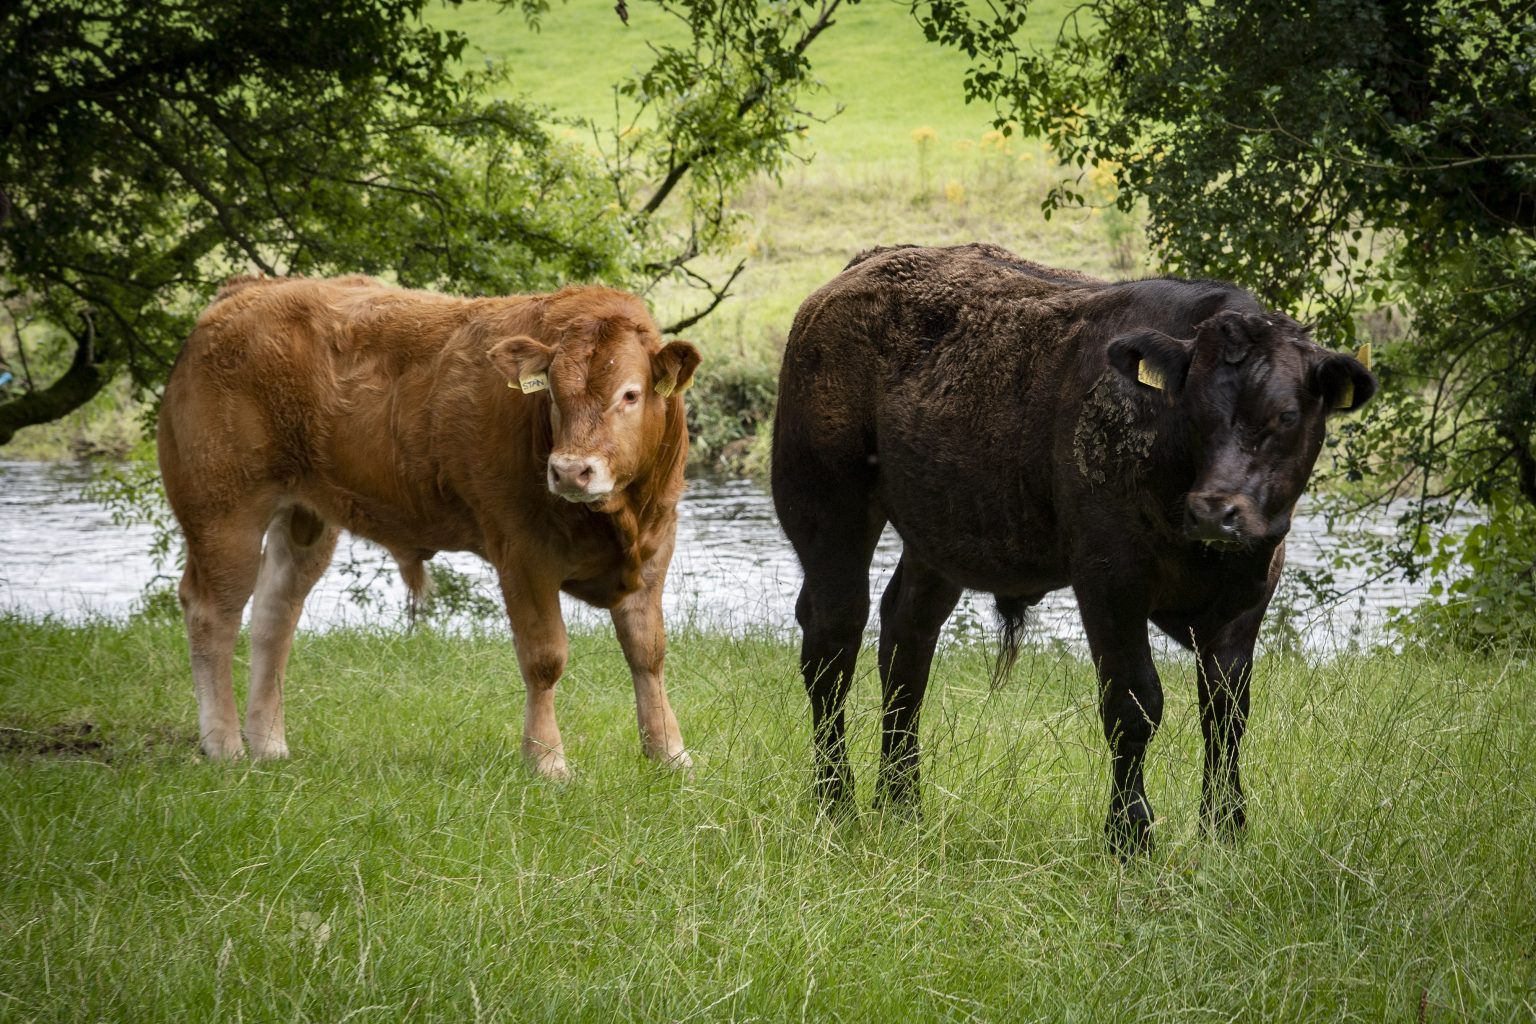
1131 702
835 540
912 611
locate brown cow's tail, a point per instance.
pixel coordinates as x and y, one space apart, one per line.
418 585
1012 613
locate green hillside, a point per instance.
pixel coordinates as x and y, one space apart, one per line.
901 158
873 62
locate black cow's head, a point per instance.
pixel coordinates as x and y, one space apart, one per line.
1256 392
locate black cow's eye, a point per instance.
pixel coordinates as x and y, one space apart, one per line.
1289 418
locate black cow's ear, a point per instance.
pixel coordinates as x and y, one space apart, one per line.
1342 381
523 361
1152 359
672 367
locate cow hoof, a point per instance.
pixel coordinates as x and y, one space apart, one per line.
218 747
1228 826
268 751
680 761
546 763
552 771
901 809
1129 835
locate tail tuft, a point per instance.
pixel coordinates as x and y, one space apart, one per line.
1013 613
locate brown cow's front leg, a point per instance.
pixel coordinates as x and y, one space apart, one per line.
637 620
1131 702
538 632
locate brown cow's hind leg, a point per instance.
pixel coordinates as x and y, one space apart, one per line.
222 563
298 549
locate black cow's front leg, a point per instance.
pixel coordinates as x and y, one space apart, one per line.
1131 703
1226 668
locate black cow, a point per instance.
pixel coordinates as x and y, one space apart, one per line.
1026 429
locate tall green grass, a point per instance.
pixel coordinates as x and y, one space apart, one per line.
404 867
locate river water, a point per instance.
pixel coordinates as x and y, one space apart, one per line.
61 555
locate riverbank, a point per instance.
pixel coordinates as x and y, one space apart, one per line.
403 866
68 555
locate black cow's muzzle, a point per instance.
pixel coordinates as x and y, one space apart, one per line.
1225 520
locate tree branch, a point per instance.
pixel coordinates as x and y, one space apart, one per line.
752 98
719 297
79 384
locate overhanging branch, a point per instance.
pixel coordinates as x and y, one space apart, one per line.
78 385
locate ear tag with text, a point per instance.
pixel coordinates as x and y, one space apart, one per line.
1150 377
1363 357
532 383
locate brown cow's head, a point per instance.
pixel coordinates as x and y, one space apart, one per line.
1256 391
610 383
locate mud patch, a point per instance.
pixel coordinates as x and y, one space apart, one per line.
1111 441
67 739
86 741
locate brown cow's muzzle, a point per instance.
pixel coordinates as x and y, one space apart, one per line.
1225 520
579 478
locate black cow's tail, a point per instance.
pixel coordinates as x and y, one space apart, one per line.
1011 613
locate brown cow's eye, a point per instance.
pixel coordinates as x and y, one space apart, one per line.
631 396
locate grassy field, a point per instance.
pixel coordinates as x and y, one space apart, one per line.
867 179
404 867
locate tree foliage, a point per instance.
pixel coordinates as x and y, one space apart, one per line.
150 149
1338 157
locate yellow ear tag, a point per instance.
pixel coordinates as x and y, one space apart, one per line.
1150 377
665 386
1363 357
535 382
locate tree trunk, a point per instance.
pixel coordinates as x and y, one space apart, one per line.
78 385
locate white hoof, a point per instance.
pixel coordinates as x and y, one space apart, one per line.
268 751
678 762
222 746
545 763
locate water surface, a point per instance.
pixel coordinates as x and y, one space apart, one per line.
62 555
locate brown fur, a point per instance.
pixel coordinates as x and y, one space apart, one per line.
345 403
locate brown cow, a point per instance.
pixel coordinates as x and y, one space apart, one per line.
301 407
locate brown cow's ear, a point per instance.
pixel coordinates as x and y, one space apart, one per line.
1152 359
672 368
1343 382
523 361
